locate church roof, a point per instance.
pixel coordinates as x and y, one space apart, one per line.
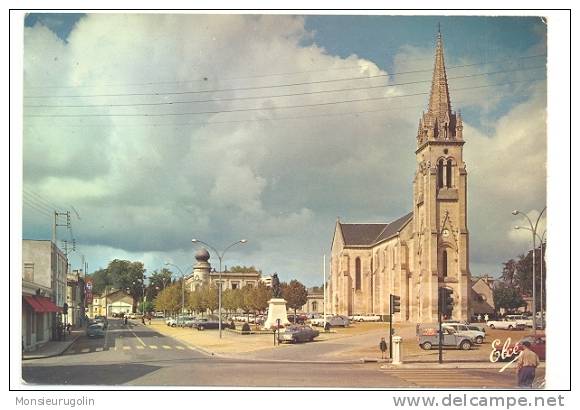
372 234
439 101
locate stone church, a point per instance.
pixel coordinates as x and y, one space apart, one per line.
425 249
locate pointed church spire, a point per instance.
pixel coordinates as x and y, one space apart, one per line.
439 101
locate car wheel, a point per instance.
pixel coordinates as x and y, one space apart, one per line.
465 345
173 325
360 320
200 328
426 346
479 340
510 327
492 326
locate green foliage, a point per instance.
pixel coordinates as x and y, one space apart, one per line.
169 299
243 269
507 297
148 305
158 280
101 280
209 296
246 302
295 293
518 274
261 294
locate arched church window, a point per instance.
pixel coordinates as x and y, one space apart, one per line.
444 263
440 174
315 306
449 174
357 279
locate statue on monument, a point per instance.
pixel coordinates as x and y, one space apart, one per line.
276 288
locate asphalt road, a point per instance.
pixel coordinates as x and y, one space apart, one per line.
136 355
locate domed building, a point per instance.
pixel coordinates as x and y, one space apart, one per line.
203 274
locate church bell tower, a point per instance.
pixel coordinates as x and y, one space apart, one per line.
440 202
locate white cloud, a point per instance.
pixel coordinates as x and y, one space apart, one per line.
146 185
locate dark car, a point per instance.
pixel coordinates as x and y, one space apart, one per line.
95 330
102 320
296 333
298 319
537 345
209 323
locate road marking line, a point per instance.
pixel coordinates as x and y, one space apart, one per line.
166 347
126 347
140 347
99 349
85 350
191 348
139 339
180 347
153 346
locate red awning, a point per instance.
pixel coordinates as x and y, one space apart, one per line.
48 305
41 304
34 304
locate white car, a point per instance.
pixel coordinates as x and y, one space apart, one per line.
365 318
477 335
527 321
506 324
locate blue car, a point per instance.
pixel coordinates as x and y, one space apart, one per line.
95 330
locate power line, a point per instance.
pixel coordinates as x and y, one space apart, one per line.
264 96
294 117
31 199
242 109
268 86
42 199
37 209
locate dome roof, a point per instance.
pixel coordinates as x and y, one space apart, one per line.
202 255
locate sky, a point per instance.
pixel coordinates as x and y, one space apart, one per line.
156 129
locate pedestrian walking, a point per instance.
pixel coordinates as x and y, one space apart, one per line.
125 320
526 364
479 317
68 326
383 347
149 318
486 317
143 320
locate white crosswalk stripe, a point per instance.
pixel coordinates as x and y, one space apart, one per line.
180 347
126 347
153 346
166 347
99 349
140 347
85 350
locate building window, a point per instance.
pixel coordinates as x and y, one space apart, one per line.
28 273
314 306
448 172
444 264
235 285
440 174
357 274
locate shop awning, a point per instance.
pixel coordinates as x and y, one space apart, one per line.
40 304
34 304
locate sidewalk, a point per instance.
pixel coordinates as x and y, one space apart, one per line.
54 348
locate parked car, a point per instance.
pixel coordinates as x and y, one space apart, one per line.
537 345
506 324
300 319
477 335
209 323
365 318
297 333
185 321
103 320
95 330
173 321
527 321
332 320
428 338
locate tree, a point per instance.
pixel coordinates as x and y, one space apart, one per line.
244 269
169 299
209 295
247 296
509 272
158 281
295 294
507 297
261 294
195 301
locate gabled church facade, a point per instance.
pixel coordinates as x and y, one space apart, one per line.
423 250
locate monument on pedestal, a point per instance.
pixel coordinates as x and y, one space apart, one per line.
277 306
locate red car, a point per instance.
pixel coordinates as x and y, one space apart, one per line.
537 345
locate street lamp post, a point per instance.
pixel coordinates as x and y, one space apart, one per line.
142 293
541 238
533 229
182 285
220 257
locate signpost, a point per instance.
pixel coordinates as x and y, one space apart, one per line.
444 307
395 307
